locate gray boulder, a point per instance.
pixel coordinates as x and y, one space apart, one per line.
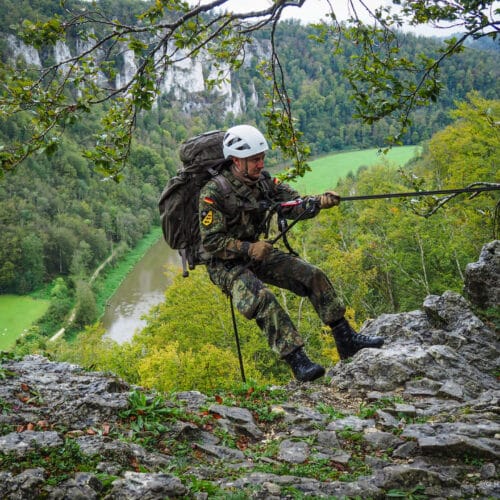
482 278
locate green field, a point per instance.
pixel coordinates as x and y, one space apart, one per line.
326 171
17 313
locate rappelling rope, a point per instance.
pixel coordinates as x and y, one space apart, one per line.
480 187
474 189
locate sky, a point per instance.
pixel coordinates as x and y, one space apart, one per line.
315 10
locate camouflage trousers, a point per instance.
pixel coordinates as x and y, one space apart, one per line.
247 286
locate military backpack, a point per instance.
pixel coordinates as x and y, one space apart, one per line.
202 159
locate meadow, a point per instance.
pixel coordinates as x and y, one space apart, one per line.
17 313
327 170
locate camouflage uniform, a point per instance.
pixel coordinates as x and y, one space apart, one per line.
232 213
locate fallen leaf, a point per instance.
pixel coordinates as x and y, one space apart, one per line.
135 464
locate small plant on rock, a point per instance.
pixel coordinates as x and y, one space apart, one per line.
59 462
333 413
413 494
145 414
260 400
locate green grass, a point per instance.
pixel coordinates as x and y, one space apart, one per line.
17 313
326 171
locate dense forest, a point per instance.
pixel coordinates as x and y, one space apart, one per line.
60 218
321 96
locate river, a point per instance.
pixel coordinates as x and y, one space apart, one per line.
142 288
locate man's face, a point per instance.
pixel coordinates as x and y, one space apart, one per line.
251 166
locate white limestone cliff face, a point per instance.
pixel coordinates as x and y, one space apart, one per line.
19 49
186 79
128 69
61 52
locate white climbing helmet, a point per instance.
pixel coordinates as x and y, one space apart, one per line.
243 141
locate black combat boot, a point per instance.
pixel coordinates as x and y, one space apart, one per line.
349 342
303 368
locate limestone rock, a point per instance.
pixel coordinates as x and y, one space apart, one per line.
482 278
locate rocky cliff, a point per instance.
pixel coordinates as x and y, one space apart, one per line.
416 419
186 79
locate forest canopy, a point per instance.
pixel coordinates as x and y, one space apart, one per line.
384 82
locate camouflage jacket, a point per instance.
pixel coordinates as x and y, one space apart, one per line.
232 213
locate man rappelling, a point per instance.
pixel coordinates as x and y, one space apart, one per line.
234 209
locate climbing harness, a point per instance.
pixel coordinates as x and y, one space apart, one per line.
284 227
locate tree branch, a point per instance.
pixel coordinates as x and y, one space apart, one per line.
169 32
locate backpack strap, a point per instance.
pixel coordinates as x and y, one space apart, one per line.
267 184
224 185
230 203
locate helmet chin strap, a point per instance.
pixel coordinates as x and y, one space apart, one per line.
237 166
240 169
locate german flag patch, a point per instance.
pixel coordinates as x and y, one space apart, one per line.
208 200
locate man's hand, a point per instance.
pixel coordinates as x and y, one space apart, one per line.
259 250
329 199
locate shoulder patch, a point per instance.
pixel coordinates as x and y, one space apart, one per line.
208 200
208 218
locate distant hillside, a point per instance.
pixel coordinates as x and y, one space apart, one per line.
319 92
